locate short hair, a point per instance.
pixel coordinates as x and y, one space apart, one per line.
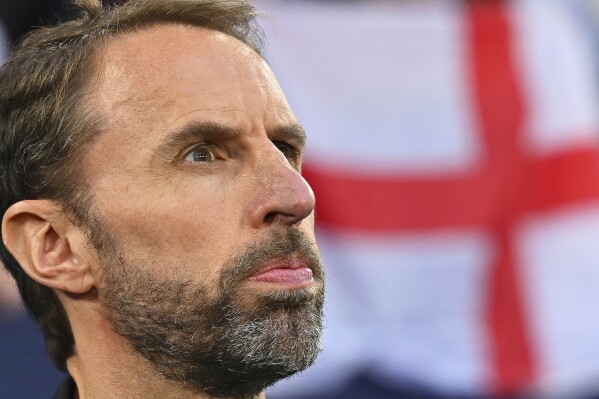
45 127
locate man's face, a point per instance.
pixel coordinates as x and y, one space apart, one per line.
202 223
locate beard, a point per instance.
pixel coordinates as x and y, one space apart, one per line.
233 344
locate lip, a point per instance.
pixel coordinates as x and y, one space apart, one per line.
288 271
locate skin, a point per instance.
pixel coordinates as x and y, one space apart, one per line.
10 301
169 207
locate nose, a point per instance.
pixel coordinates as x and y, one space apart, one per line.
283 196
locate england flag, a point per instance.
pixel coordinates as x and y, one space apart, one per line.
454 152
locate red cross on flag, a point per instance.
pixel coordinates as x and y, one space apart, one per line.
454 152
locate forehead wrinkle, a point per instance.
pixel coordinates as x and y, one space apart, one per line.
126 91
120 66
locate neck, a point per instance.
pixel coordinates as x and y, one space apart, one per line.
99 380
105 366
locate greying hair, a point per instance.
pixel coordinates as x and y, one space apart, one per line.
45 126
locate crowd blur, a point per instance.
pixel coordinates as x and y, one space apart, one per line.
454 152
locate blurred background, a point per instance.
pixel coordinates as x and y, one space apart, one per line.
454 152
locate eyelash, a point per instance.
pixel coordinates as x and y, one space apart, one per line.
293 151
204 146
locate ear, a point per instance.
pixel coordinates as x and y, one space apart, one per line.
49 248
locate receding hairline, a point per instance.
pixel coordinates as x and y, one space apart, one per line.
99 58
99 49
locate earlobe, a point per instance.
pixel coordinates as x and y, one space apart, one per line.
49 248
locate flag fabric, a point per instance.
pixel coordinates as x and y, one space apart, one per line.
454 153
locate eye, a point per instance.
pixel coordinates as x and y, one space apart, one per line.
202 153
286 149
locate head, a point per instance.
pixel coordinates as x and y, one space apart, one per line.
151 166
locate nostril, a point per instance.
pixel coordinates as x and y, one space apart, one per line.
270 217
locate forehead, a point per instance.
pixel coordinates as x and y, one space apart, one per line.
162 75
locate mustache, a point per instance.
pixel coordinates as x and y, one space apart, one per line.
279 244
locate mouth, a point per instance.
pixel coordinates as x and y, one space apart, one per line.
289 272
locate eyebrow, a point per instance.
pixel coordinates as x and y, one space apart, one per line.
212 131
292 132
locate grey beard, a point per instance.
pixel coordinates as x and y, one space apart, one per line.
285 343
223 347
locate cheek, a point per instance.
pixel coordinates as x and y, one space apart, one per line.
186 232
307 227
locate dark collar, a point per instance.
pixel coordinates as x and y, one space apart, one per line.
66 390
